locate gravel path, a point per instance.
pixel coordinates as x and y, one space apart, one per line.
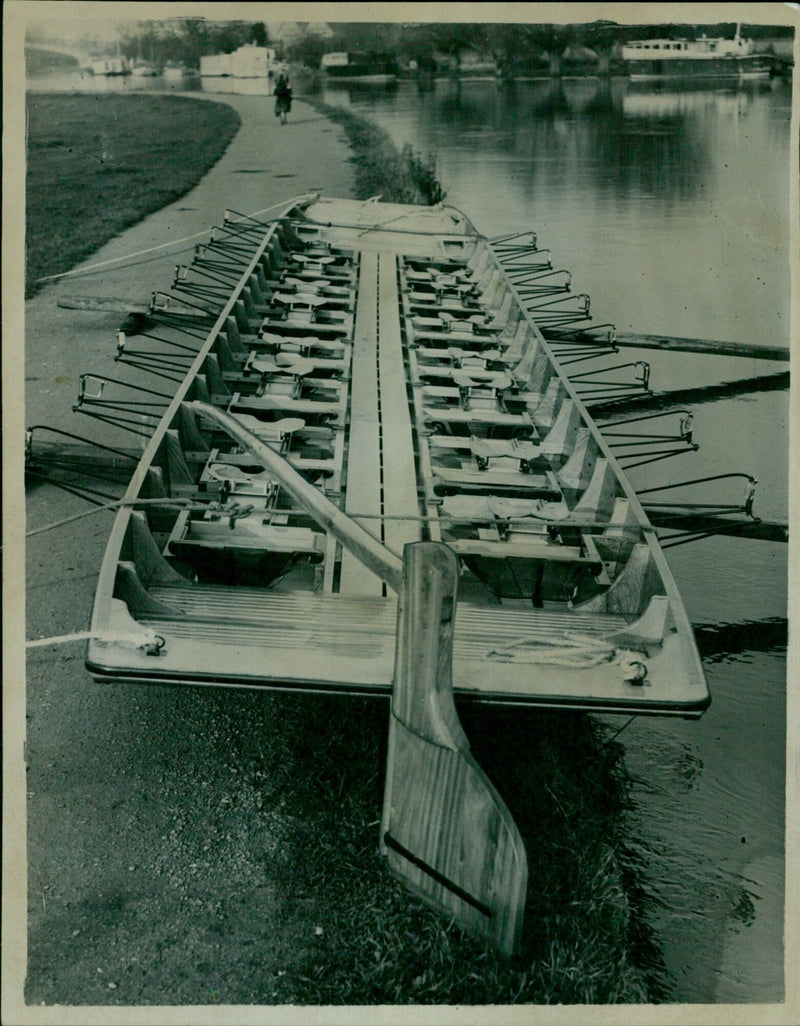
154 876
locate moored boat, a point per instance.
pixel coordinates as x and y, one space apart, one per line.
175 71
384 356
376 69
695 58
110 66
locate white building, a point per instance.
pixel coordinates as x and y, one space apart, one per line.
248 61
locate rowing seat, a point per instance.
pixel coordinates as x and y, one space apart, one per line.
285 404
272 431
478 422
310 300
323 259
469 358
441 288
469 396
447 332
491 452
468 479
433 276
506 508
291 360
317 287
304 346
224 548
473 377
227 481
447 319
533 547
283 363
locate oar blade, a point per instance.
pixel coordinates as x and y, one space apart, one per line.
446 832
449 837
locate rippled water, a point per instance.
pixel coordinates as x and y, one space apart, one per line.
670 207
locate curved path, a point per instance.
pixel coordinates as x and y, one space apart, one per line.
153 876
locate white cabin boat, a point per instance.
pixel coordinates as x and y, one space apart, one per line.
694 58
109 66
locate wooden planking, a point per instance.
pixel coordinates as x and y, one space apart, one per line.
445 831
400 475
363 494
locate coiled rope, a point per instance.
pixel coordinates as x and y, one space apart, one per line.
572 649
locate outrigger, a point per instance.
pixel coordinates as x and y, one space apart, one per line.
367 406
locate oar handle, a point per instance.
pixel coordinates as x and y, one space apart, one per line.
355 538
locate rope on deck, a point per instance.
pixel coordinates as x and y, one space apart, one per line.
572 649
146 639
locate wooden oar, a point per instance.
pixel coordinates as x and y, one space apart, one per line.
445 830
357 539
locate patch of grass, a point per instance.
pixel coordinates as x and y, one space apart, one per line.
109 161
322 770
397 176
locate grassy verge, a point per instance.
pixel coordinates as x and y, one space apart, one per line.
316 765
91 174
398 176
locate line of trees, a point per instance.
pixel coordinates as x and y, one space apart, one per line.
514 48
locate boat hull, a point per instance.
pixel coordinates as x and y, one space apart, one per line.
704 68
385 354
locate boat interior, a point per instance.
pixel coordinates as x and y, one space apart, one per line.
385 354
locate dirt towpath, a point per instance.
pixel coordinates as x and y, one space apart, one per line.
154 879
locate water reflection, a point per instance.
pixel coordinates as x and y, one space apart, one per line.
86 82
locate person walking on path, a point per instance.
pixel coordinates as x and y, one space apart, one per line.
283 97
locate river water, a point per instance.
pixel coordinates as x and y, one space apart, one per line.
671 208
670 205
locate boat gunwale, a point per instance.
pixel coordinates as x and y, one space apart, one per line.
690 709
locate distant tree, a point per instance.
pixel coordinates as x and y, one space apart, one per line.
552 40
365 37
513 47
309 49
598 35
453 39
259 34
602 37
417 44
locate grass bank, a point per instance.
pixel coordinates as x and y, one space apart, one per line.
98 164
322 771
397 176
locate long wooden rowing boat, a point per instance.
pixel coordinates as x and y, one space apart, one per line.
385 354
376 477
